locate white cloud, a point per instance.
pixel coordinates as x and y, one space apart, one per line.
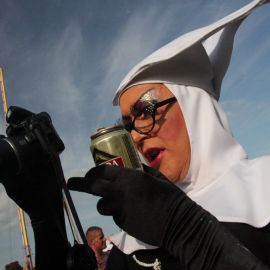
8 211
65 96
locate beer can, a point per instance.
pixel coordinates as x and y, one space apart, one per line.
114 146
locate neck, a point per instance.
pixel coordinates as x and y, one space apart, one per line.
98 252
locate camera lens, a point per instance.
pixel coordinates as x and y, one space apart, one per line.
9 164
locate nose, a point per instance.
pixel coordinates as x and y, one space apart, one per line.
137 137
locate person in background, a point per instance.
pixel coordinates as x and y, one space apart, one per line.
97 242
14 266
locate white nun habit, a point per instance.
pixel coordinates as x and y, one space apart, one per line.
221 178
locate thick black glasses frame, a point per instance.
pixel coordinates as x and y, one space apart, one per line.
152 110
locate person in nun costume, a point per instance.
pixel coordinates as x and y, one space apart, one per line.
169 103
199 203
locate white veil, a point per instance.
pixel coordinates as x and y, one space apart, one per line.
221 178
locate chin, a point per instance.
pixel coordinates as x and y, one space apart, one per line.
168 175
173 180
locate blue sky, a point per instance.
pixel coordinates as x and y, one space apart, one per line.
68 57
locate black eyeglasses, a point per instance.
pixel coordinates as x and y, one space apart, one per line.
145 120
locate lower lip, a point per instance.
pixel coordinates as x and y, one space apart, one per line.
156 162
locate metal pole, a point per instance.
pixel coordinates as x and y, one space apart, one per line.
3 92
25 241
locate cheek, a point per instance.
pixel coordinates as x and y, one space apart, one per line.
173 129
176 141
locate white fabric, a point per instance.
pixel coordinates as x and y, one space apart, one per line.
221 178
213 148
185 60
127 243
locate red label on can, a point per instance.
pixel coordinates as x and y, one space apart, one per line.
118 161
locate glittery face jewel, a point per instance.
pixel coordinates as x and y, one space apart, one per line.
150 96
145 113
148 99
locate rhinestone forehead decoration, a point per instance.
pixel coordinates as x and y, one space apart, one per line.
150 98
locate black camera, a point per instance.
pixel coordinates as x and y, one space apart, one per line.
29 136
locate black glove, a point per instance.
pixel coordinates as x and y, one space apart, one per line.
35 189
134 198
152 209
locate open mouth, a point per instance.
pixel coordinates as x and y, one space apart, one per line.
153 156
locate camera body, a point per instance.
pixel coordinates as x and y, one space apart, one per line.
29 136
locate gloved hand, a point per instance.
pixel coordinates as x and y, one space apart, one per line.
139 202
